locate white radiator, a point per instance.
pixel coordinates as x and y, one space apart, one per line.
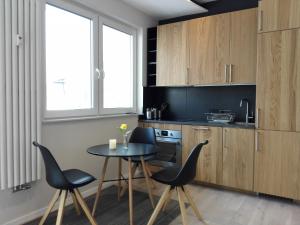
20 81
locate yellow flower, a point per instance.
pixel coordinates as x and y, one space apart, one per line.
123 126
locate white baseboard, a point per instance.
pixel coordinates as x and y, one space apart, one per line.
39 212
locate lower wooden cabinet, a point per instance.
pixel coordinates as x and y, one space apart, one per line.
238 158
277 163
210 162
162 126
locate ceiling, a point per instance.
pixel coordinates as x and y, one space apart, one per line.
164 9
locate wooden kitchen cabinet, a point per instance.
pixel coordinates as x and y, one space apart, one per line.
223 48
238 158
275 15
243 47
210 160
172 55
277 163
163 126
278 81
208 40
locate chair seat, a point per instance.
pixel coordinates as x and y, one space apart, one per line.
167 175
138 159
78 178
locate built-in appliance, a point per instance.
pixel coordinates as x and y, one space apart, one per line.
170 148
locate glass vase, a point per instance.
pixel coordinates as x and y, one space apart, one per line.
125 141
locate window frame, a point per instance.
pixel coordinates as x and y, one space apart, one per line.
98 21
130 31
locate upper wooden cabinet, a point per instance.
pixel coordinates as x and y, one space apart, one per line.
223 48
208 41
238 158
277 167
218 49
277 15
278 81
210 160
172 54
243 47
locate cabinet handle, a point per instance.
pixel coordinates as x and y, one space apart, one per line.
225 138
230 72
257 118
257 141
226 73
201 128
260 26
187 75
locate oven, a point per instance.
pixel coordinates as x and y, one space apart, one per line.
170 148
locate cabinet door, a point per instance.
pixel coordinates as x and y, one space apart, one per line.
278 81
243 47
278 15
208 40
154 125
140 124
277 163
210 160
163 126
238 158
172 54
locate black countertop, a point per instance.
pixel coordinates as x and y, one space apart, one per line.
202 123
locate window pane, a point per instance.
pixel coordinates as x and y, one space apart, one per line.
118 67
68 60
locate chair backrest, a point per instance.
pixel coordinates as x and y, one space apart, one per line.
143 135
54 175
188 171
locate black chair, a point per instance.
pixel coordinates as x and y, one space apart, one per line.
64 181
176 178
144 136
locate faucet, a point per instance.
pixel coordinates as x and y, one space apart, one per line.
247 108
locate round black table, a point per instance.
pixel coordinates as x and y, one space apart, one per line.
135 150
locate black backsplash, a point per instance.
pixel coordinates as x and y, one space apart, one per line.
190 103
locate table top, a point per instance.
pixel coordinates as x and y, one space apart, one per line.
134 150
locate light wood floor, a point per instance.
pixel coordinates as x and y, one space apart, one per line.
222 207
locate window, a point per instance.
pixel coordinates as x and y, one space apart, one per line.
118 58
90 63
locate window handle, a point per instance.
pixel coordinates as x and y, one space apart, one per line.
100 73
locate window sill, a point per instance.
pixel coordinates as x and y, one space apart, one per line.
70 119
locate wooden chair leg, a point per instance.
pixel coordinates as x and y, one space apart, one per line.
182 206
192 203
150 175
147 181
124 189
119 177
100 185
159 205
84 207
50 206
168 199
61 207
75 203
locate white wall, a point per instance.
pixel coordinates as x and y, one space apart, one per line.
68 141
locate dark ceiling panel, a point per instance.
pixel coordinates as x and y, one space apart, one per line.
216 7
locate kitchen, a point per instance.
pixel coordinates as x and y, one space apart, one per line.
231 77
170 112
